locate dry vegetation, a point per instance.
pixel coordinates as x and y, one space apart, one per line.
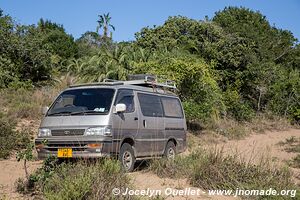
205 169
292 144
83 179
215 170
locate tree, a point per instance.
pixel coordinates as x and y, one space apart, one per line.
56 40
268 42
104 22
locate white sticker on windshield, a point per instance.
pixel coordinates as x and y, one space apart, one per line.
99 109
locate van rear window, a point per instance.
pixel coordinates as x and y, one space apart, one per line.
150 105
172 107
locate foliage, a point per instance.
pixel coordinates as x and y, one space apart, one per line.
195 79
285 92
11 139
79 180
26 155
104 22
112 64
240 110
56 40
251 58
235 65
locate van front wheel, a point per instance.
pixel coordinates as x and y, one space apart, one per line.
127 157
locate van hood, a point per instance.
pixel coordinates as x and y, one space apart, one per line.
75 121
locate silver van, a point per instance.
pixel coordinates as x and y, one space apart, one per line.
134 120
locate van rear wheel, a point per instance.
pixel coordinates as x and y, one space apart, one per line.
127 157
170 151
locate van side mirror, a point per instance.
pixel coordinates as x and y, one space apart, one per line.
120 107
45 110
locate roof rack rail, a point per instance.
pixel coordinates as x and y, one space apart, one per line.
95 84
150 81
144 80
108 80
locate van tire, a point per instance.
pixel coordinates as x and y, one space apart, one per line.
170 151
126 157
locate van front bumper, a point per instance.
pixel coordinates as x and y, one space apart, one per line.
81 148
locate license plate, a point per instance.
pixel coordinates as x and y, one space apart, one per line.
64 153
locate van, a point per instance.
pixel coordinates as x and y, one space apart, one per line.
133 120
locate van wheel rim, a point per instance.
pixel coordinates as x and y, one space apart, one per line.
171 153
127 159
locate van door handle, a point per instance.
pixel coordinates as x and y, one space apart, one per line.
136 118
144 123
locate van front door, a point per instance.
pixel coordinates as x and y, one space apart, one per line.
125 124
151 135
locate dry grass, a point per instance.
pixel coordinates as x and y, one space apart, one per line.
27 103
292 144
233 129
82 179
261 123
215 170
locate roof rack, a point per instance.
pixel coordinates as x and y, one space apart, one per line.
144 80
95 84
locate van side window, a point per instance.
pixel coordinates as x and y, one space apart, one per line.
172 107
150 105
126 97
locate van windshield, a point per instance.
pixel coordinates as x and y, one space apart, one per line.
83 102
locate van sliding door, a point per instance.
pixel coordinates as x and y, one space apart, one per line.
151 135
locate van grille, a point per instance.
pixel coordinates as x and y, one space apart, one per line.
67 132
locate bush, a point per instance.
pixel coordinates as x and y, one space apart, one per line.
195 79
296 162
11 139
214 170
236 107
78 180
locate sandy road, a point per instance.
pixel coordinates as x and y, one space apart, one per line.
253 148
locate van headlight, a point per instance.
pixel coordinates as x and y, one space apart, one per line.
102 130
44 132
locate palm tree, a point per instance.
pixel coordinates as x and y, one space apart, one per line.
104 22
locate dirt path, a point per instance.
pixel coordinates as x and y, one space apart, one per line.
261 145
10 171
252 148
258 147
148 180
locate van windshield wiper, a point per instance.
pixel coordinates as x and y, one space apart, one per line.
60 113
86 112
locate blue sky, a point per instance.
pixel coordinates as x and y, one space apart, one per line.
79 16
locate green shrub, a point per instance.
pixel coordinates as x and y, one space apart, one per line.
236 107
196 82
285 94
78 180
11 139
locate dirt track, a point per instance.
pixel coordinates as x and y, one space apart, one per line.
253 148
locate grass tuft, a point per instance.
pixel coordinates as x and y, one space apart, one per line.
82 179
215 170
